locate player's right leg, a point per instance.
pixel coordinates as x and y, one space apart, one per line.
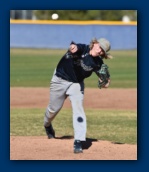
58 95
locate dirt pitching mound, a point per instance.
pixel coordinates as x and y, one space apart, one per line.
41 148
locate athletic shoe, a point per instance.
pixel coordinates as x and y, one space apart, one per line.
77 146
50 132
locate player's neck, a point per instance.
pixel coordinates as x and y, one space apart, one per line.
90 52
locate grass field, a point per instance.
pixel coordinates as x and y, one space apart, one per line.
116 126
34 67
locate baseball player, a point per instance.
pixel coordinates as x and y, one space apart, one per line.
79 62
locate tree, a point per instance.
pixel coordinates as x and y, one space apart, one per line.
112 15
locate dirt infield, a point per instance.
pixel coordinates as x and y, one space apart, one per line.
94 98
41 148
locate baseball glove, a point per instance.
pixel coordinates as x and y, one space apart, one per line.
103 75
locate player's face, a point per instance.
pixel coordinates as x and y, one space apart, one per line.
97 50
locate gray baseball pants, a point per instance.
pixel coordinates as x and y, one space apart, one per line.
59 90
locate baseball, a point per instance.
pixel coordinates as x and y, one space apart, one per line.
54 16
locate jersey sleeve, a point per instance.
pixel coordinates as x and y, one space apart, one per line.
81 47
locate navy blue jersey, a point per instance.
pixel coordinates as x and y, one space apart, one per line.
78 66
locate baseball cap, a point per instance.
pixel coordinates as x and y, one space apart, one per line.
106 46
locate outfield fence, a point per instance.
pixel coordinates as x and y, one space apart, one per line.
59 34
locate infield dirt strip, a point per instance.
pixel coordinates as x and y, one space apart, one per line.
41 148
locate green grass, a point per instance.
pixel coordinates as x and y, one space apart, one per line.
34 67
115 126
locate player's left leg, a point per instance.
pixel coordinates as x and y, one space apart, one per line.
76 96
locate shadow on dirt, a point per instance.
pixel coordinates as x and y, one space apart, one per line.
117 143
64 137
85 144
88 143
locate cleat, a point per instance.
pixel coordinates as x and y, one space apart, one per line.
77 146
50 132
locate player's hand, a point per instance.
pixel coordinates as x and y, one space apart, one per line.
102 84
107 85
73 48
